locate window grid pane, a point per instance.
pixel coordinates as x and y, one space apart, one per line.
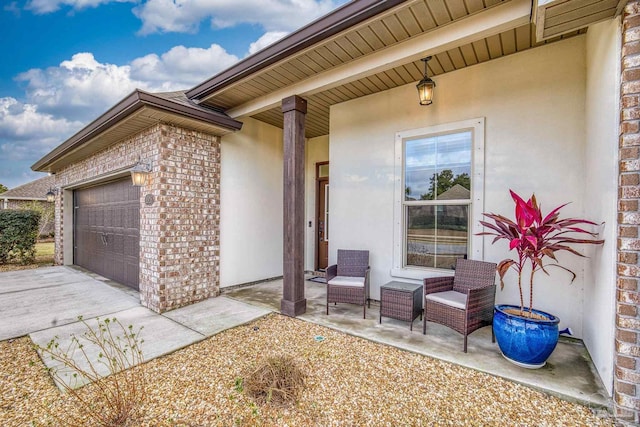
437 235
438 167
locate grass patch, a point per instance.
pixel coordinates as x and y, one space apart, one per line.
45 249
44 258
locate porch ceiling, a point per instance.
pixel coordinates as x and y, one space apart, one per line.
502 27
557 17
406 21
505 43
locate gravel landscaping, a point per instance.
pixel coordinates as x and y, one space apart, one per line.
348 382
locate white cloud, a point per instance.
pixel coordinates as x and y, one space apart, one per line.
24 121
272 15
181 67
61 100
267 39
48 6
80 87
26 135
83 87
12 7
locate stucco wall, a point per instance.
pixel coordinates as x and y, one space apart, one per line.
251 202
601 184
317 150
534 106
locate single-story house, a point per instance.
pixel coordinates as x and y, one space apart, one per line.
531 95
24 196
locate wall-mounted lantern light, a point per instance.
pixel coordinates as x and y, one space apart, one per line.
140 173
426 86
51 194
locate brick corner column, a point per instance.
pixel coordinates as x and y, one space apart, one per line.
627 341
293 303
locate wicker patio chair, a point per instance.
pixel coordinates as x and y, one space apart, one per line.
463 302
348 280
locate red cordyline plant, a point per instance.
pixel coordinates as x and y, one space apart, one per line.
535 238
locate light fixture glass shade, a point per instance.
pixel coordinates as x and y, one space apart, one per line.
426 85
139 174
51 196
425 90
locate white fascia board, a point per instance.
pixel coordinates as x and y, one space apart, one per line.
24 198
476 27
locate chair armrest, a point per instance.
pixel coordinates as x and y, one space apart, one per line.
437 284
332 271
481 298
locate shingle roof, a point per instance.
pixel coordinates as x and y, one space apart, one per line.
35 190
457 192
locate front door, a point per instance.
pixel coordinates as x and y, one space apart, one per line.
322 219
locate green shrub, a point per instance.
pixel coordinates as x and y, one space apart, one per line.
47 216
18 235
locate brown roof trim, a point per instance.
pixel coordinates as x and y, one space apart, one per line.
340 19
133 102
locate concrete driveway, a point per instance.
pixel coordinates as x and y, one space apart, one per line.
46 302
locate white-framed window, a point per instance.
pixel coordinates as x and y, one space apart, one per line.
439 189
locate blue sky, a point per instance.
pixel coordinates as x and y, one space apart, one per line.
65 62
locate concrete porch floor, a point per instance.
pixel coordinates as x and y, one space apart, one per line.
569 373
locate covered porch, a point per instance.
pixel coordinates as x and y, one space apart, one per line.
569 373
541 111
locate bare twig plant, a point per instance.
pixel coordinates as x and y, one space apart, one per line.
277 380
116 391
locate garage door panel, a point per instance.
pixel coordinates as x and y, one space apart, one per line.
132 218
118 244
107 219
132 271
131 246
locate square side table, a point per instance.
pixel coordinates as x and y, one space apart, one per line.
402 301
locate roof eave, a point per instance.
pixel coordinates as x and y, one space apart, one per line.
333 23
132 103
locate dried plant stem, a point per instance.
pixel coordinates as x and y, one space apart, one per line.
278 381
113 399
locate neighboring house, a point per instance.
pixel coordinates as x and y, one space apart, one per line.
25 195
531 96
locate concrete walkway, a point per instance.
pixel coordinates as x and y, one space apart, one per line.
569 373
46 302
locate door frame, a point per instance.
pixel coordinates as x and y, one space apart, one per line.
319 181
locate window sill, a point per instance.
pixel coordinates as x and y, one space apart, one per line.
420 273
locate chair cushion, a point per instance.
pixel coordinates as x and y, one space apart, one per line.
347 281
450 298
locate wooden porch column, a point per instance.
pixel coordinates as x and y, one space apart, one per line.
293 302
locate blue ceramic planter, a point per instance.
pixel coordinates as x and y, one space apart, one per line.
523 341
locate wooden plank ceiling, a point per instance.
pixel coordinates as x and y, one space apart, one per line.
557 17
411 19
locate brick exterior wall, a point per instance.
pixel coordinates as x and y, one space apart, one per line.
179 232
627 358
